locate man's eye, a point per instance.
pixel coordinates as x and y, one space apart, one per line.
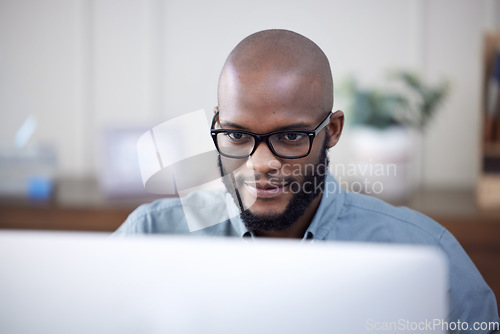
293 136
236 136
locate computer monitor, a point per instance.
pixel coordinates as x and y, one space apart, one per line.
88 283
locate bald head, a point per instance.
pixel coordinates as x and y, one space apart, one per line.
274 90
279 54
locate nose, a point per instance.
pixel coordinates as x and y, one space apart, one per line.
263 160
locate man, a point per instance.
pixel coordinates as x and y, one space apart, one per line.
272 128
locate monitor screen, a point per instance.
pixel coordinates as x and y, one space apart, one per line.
89 283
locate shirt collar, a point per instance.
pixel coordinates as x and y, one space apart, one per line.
235 219
326 215
322 222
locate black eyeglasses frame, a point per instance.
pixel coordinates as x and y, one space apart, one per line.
311 134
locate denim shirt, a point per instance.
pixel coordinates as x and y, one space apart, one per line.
341 216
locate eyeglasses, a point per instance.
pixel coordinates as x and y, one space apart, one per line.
287 144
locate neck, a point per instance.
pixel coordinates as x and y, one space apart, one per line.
299 227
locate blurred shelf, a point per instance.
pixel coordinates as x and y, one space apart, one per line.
81 193
76 205
492 149
453 206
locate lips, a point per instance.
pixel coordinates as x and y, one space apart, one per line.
265 189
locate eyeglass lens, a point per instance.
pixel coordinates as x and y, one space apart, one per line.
289 144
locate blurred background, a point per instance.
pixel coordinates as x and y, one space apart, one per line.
81 67
81 80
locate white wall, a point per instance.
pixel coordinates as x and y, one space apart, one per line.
453 48
40 74
81 64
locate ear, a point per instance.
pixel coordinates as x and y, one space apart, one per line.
216 111
335 127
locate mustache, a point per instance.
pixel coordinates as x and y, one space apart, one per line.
280 180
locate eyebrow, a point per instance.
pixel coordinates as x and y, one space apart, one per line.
294 126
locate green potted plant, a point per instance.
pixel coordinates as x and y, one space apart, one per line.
409 102
383 125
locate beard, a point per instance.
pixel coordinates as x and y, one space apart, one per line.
311 187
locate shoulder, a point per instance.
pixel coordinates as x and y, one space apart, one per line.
161 216
377 220
369 219
168 215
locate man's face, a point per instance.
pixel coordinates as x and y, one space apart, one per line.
263 102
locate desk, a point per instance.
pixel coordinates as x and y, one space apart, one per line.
78 205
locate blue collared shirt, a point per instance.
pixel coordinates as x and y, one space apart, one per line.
341 216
